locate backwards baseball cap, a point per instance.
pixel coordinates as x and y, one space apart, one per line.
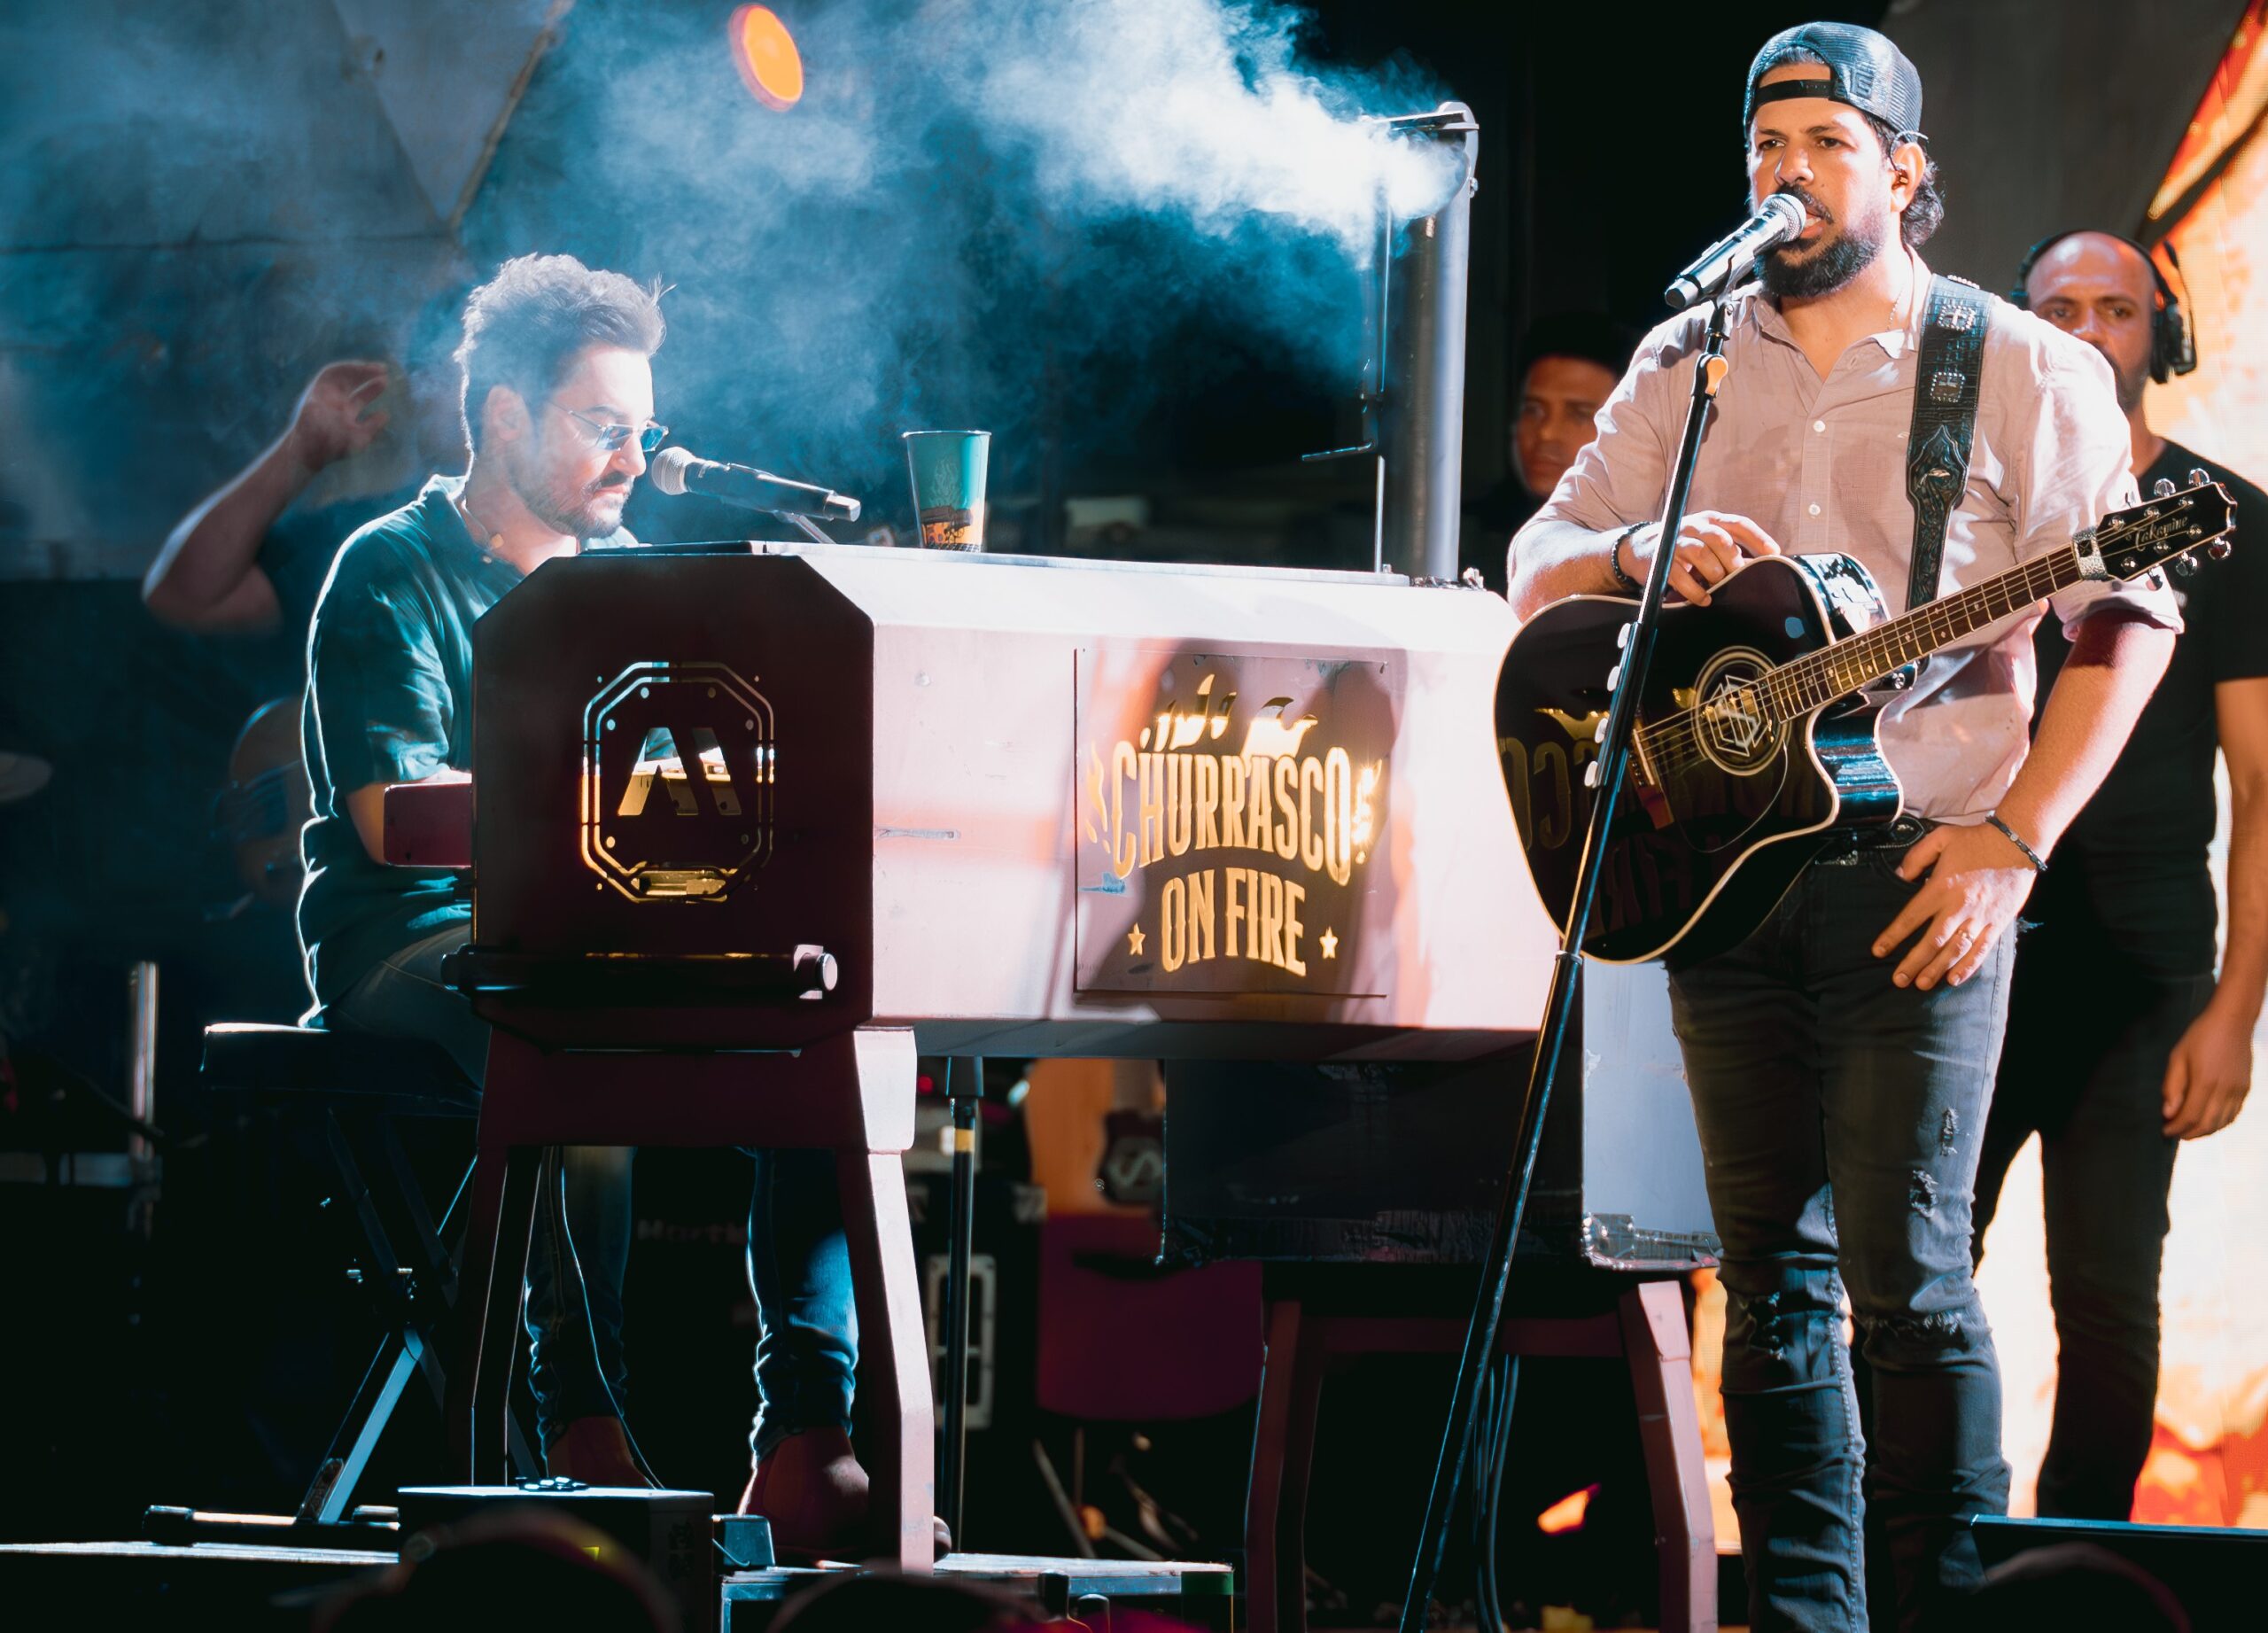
1863 70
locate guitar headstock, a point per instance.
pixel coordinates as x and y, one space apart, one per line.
2165 529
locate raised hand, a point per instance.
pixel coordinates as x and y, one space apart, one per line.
333 419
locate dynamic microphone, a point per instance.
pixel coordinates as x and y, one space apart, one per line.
681 470
1727 262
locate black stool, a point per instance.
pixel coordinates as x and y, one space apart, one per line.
340 1094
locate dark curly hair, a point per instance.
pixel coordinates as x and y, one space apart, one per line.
524 327
1927 208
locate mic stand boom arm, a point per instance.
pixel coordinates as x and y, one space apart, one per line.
1612 764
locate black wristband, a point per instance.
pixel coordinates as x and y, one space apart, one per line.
1614 559
2016 839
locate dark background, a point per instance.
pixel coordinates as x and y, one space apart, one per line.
202 206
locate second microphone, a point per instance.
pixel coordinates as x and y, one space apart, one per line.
681 470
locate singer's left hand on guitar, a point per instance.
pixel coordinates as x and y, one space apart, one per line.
1710 547
1977 885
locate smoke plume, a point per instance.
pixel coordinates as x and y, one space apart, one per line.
976 212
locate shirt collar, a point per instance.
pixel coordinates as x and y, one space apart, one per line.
455 534
1763 312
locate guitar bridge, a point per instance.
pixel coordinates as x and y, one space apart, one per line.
1652 799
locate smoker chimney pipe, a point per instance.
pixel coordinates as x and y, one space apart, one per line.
1420 381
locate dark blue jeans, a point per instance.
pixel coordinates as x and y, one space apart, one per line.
1840 1118
807 1320
798 1262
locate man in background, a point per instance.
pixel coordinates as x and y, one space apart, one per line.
242 560
2121 1044
1567 367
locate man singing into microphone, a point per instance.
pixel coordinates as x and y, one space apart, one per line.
1841 1057
558 401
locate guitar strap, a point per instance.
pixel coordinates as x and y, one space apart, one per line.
1947 384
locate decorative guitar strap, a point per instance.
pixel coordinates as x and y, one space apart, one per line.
1947 385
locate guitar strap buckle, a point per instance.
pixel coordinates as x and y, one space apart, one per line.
1949 380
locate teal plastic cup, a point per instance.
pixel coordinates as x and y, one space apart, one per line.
948 472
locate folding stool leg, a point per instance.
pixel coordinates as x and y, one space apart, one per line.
894 1356
491 1392
1283 1455
1669 1427
498 1221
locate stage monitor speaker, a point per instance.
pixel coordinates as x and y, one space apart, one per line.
1402 1161
2220 1576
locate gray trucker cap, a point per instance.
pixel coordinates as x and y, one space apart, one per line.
1863 70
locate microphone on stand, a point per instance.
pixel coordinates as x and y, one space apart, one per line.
1731 259
681 470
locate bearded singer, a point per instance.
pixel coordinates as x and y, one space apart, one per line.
1841 1058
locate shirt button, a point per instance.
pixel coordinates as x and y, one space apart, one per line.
1815 510
1818 424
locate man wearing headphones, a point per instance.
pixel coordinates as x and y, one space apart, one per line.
2125 926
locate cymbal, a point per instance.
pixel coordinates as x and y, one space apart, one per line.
22 775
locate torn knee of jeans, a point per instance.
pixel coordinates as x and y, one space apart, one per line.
1922 1195
1939 1327
1948 1129
1770 1323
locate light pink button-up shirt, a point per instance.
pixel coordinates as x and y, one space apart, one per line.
1820 464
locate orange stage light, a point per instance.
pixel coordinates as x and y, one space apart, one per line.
1567 1514
764 52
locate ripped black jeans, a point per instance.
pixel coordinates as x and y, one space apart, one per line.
1840 1118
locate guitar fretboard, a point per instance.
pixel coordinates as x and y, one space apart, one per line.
1819 677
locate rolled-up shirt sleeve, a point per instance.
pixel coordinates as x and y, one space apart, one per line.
2078 456
382 695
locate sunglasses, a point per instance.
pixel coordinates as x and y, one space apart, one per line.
612 437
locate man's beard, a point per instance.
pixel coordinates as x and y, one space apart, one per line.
2130 381
570 509
1830 265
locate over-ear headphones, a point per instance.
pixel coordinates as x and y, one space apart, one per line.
2172 349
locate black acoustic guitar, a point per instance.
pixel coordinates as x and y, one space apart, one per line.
1756 731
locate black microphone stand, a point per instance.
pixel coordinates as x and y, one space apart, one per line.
1610 768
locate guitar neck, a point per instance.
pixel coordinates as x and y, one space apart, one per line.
1818 678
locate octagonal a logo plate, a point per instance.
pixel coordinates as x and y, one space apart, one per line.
678 778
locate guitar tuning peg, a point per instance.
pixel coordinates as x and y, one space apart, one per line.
1614 677
2197 477
2218 550
2184 566
2163 488
1599 736
2153 579
1590 774
1622 637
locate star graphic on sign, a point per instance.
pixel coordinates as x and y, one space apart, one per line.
1134 942
1331 943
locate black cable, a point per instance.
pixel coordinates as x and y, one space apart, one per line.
555 1198
1477 1461
1487 1611
1507 1391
